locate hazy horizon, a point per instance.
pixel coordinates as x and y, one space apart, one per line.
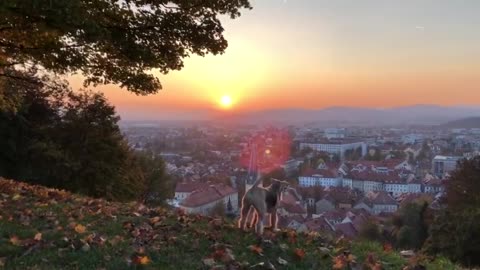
317 54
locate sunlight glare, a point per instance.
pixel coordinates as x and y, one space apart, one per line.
226 101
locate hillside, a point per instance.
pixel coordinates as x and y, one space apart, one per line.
471 122
43 228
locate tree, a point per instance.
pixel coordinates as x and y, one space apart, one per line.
64 139
370 231
463 188
108 41
411 228
159 186
218 209
455 233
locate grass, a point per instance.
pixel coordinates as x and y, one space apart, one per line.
42 228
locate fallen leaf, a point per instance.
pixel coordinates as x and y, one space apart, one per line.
144 260
38 237
282 261
79 228
227 256
387 247
209 262
86 247
339 262
154 220
15 240
299 253
283 246
256 249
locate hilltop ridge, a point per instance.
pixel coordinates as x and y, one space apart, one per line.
43 228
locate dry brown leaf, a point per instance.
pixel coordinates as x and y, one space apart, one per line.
299 253
38 237
256 249
15 240
79 228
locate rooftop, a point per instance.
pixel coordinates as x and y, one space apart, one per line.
207 195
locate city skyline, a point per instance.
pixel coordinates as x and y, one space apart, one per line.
318 54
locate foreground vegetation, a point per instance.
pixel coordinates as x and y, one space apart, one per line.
42 228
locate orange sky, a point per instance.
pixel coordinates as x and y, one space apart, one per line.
315 54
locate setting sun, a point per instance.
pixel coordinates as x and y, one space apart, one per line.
226 101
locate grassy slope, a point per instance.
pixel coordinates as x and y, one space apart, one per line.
42 228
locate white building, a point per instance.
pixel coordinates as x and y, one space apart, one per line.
334 133
396 188
338 147
324 178
444 164
412 138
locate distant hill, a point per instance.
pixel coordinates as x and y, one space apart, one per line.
470 122
418 114
43 228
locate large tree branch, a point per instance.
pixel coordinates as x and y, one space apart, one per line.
20 78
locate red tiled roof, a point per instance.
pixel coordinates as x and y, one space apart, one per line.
319 224
294 208
358 221
284 221
434 182
189 186
382 197
369 175
326 173
346 229
207 195
334 215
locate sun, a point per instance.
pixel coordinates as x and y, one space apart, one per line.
226 101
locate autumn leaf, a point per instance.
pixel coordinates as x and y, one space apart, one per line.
154 220
38 237
15 240
256 249
144 260
377 266
299 253
79 228
387 248
339 262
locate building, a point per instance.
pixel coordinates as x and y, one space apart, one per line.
324 205
434 186
322 177
335 133
378 202
202 201
183 190
383 202
444 164
336 147
290 166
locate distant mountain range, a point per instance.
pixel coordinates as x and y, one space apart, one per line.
410 115
470 122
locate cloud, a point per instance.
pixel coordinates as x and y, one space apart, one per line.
422 28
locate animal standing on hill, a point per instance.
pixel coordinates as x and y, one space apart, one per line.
263 200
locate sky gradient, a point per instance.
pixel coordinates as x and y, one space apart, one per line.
321 53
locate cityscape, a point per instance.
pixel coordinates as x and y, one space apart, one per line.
343 176
240 134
